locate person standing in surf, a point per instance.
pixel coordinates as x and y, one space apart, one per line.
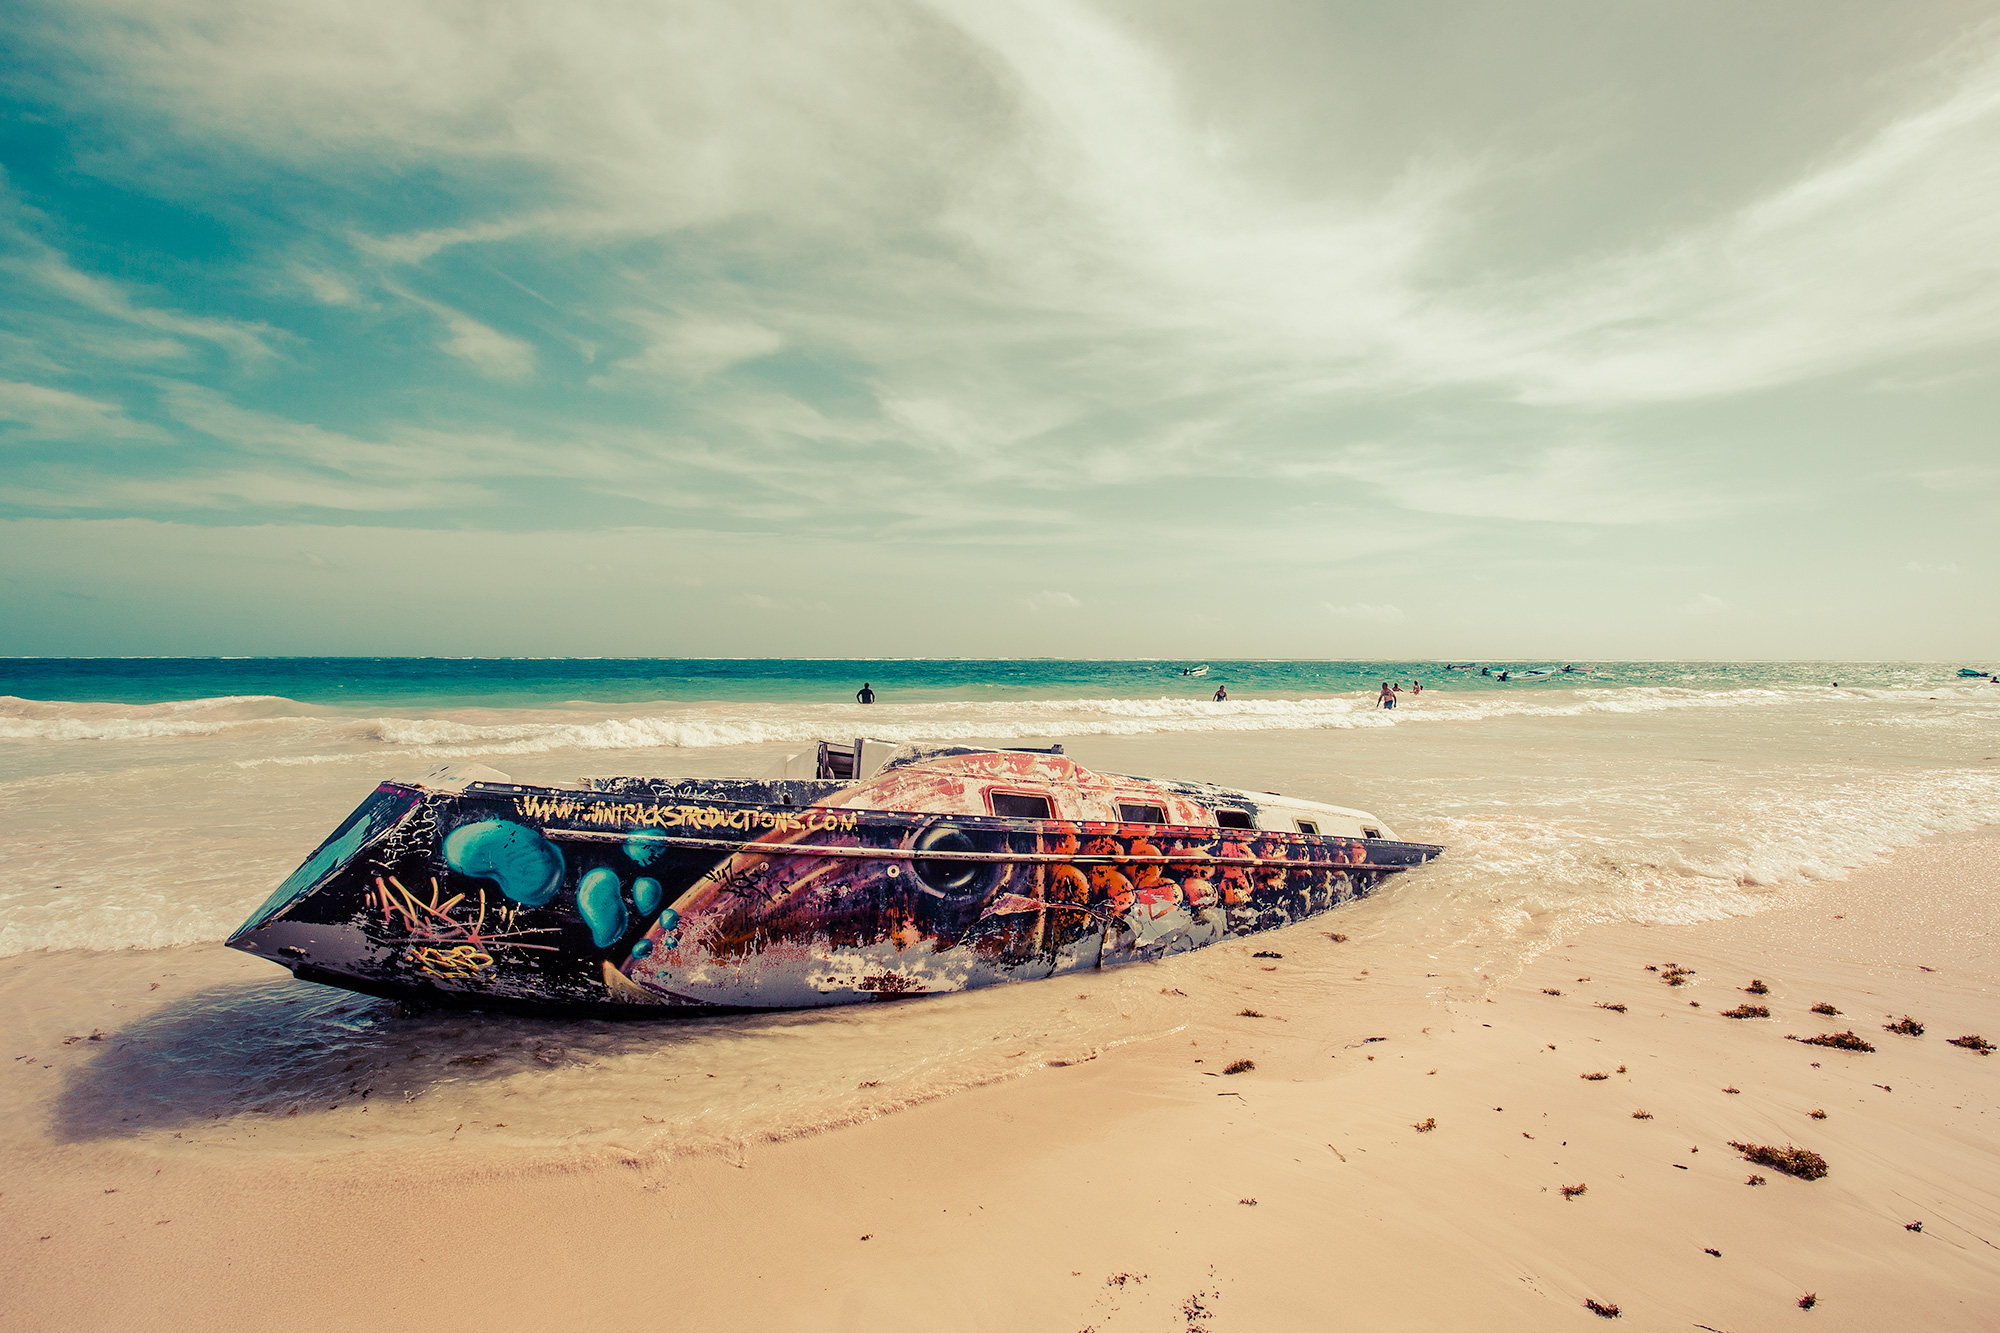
864 694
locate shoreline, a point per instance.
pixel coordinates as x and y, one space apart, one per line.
1022 1203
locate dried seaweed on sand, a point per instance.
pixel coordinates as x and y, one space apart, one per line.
1801 1162
1840 1041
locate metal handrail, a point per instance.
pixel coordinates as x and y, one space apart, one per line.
911 854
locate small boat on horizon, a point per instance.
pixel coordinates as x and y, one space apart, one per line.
863 872
1195 670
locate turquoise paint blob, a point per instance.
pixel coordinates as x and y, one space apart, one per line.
642 949
645 848
647 895
602 906
527 867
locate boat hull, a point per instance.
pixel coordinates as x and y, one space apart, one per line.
526 899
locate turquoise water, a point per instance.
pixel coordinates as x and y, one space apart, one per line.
530 682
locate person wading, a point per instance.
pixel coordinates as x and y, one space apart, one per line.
864 694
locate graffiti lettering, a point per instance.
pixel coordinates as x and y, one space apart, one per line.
634 815
458 963
450 947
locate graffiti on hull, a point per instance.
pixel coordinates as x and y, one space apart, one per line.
573 900
441 944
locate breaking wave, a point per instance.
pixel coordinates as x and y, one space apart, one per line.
463 733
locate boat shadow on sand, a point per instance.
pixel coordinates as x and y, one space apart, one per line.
283 1048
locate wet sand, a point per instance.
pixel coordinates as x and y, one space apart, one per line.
1147 1189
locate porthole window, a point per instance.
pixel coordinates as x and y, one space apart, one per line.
939 874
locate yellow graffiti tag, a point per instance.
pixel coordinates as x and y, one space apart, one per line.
459 963
632 815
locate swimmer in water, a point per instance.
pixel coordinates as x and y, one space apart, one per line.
1222 694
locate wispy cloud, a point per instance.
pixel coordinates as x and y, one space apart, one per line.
43 265
41 413
1044 277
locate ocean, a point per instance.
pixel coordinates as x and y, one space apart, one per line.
146 805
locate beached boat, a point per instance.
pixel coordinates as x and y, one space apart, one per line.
857 873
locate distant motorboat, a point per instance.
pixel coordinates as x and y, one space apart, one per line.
1974 672
1195 671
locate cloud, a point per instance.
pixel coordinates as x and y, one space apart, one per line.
684 349
43 413
46 267
1048 280
1703 604
489 351
327 288
1931 567
1378 613
1046 161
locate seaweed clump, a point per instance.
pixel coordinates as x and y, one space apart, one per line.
1239 1066
1801 1162
1614 1008
1601 1310
1906 1027
1747 1011
1592 1078
1248 1013
1808 1301
1973 1042
1756 987
1426 1125
1642 1115
1840 1041
1571 1191
1824 1008
1547 991
1676 975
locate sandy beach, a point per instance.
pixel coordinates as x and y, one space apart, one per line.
1398 1158
917 666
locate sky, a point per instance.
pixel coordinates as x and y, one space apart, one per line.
1004 327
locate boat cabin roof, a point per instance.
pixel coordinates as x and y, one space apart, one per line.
1046 784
